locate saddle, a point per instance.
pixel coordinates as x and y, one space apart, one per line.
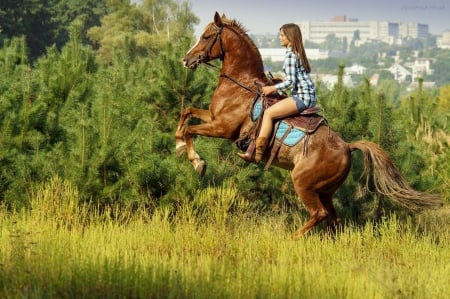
307 121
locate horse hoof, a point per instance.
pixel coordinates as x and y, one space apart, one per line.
181 149
200 168
296 236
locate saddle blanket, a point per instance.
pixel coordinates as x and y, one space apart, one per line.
293 137
257 110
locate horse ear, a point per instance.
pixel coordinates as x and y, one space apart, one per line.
217 20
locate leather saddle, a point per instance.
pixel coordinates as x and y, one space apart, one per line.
308 121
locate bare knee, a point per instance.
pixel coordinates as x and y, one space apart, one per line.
268 114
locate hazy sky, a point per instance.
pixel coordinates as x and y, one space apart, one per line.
266 16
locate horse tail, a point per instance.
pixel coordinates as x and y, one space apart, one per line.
388 181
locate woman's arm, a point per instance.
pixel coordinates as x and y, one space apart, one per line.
289 68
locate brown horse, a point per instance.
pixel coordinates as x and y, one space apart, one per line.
315 176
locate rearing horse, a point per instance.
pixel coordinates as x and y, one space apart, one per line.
315 176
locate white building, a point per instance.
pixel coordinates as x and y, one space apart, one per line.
277 54
330 80
420 68
355 69
401 74
443 41
415 85
413 30
374 79
363 31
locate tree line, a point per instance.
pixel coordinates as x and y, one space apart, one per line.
97 99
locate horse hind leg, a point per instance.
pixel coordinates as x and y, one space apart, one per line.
332 219
317 212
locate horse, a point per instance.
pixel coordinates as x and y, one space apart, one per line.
315 176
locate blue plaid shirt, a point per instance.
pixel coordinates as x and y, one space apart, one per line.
297 79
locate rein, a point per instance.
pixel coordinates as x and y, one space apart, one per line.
232 79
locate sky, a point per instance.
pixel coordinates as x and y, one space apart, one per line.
267 16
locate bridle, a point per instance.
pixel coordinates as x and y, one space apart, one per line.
201 59
211 44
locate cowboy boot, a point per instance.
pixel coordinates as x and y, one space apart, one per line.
261 144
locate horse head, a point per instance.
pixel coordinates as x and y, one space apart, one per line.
209 45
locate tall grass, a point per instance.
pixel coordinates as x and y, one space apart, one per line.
212 248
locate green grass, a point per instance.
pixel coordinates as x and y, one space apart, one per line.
59 249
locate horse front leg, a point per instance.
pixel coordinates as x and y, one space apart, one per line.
180 133
180 144
183 139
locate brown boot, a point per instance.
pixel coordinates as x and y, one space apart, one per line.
248 155
245 156
261 144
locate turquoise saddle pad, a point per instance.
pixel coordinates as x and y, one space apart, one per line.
293 137
257 110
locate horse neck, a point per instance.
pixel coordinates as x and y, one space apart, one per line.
245 73
244 69
243 63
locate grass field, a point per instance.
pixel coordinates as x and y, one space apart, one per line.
61 249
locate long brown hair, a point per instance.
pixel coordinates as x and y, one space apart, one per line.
294 35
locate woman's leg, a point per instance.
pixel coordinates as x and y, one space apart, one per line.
281 109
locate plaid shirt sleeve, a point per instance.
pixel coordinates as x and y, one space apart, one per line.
289 71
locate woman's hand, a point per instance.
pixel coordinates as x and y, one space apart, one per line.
266 90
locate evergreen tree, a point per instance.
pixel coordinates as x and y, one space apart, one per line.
426 139
84 13
22 137
141 30
109 128
31 18
441 67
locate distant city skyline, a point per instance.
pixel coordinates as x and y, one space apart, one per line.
264 16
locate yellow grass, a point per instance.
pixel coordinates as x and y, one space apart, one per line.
199 253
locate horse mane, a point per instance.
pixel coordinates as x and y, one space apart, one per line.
238 28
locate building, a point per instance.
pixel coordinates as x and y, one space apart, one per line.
415 85
355 69
329 80
374 79
361 31
277 54
273 54
413 30
443 41
420 68
401 74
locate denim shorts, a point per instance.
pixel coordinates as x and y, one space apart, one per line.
299 102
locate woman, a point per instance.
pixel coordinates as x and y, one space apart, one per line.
303 92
